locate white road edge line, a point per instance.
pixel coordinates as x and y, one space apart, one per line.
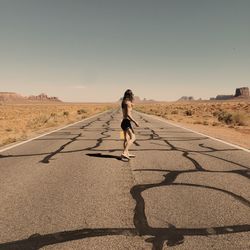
37 137
213 138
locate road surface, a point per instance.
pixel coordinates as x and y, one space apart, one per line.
70 190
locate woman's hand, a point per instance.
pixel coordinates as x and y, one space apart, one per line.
136 124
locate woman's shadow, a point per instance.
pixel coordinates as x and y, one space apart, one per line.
100 155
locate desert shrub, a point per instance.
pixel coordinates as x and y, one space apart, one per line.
175 112
66 113
197 122
207 116
53 115
215 113
188 112
215 124
9 140
81 111
38 121
239 119
232 118
225 117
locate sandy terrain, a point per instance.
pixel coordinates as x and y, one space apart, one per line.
228 120
20 121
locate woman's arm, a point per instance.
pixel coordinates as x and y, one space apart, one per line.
129 107
131 119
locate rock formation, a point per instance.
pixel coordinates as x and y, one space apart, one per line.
224 97
10 97
239 93
43 97
137 99
186 98
242 92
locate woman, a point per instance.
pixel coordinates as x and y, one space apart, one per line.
129 136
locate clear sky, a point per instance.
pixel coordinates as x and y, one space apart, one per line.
93 50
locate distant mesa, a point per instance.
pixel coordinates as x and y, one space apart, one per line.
186 98
240 93
222 97
43 97
11 97
137 99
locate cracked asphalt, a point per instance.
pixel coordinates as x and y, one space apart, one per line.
70 190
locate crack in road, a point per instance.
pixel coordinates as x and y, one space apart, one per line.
47 158
99 140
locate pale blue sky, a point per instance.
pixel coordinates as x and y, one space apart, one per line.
89 50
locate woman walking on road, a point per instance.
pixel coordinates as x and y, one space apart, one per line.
129 135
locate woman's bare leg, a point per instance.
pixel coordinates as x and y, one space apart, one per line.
125 140
130 138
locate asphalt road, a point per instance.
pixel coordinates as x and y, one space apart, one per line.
70 190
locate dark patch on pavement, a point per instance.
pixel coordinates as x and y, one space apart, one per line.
100 155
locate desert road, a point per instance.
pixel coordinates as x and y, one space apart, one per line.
70 190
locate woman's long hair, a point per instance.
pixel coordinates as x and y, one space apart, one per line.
128 95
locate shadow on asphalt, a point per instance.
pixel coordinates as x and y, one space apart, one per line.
100 155
156 236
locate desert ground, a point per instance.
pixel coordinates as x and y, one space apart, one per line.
227 120
21 121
